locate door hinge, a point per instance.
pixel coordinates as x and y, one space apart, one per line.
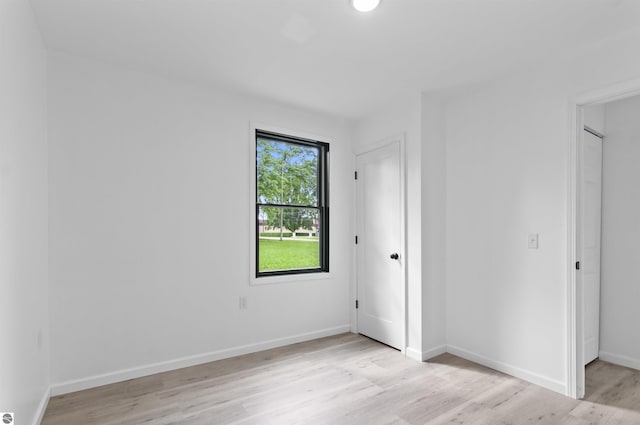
356 240
577 265
356 174
356 303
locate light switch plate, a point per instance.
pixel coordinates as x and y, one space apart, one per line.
533 241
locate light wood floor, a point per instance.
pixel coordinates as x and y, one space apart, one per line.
347 379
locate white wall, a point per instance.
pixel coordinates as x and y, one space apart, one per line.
620 291
508 147
149 206
506 178
24 329
594 117
433 194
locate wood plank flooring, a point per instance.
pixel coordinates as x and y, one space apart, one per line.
347 379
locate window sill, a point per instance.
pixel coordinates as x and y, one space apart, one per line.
302 277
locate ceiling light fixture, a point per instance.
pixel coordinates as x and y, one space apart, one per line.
365 5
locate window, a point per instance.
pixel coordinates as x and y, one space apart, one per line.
292 209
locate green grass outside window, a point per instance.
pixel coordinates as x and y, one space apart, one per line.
303 253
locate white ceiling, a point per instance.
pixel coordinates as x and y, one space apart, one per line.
323 55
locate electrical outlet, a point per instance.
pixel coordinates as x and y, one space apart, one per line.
533 241
242 303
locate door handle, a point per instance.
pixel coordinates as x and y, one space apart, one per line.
394 256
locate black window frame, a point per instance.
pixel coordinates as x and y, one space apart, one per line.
322 207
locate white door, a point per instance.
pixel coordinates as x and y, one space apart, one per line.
380 253
590 223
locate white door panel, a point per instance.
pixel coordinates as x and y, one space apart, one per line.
591 207
380 279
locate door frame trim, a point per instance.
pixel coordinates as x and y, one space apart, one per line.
360 150
575 369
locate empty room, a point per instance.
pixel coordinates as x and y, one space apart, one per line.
319 212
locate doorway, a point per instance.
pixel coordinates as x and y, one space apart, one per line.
595 255
380 244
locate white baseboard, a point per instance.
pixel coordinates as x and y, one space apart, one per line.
619 360
433 352
150 369
422 356
534 378
42 407
414 354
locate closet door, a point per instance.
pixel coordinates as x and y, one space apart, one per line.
591 215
